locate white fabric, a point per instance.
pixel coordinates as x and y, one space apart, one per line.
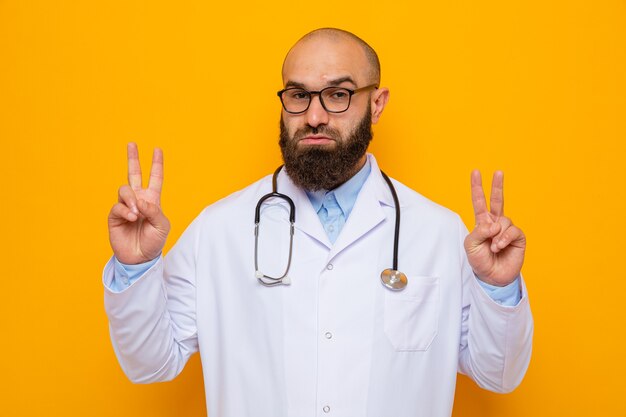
335 342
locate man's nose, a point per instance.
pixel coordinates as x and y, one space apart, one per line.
316 114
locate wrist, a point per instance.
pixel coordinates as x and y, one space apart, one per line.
131 261
497 282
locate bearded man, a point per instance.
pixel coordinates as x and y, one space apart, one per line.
293 317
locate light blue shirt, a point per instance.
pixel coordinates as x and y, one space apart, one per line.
333 208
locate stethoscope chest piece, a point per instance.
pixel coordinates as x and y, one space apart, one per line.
394 280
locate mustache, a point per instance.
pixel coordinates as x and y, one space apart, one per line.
318 130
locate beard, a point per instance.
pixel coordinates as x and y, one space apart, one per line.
321 167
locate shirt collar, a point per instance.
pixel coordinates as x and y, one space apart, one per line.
345 194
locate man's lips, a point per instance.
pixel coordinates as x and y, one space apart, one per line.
315 140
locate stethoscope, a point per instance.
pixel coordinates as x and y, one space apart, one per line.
390 277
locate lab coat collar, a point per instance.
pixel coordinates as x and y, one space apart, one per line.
366 214
380 188
306 217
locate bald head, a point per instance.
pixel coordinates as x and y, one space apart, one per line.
341 38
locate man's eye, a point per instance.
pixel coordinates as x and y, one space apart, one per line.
298 95
338 95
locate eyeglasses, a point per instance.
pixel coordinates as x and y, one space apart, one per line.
297 100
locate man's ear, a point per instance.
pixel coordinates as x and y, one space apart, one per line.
380 97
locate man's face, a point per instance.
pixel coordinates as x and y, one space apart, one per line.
321 150
325 166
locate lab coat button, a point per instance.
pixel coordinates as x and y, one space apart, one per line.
326 409
328 335
329 266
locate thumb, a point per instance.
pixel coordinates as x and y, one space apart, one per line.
153 214
483 232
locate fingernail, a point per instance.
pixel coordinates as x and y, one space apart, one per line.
133 208
132 217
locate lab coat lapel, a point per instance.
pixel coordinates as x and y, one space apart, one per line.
306 218
367 212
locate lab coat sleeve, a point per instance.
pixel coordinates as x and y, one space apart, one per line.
496 340
153 322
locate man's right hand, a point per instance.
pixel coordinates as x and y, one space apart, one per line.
137 226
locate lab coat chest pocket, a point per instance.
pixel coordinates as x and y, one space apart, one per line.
411 316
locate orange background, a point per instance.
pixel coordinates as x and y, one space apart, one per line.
536 88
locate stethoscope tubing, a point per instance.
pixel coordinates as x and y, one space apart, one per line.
396 234
264 279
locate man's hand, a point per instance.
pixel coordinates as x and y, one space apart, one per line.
137 227
495 248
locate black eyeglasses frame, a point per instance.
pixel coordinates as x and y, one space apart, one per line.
319 93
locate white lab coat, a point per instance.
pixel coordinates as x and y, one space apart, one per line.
335 342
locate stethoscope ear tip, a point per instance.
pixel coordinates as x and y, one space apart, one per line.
269 281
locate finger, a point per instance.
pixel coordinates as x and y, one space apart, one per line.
126 196
496 201
505 223
478 196
134 169
156 172
121 212
483 232
513 236
154 215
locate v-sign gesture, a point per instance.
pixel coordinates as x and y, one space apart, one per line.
137 226
495 248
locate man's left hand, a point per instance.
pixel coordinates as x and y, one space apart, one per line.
495 248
